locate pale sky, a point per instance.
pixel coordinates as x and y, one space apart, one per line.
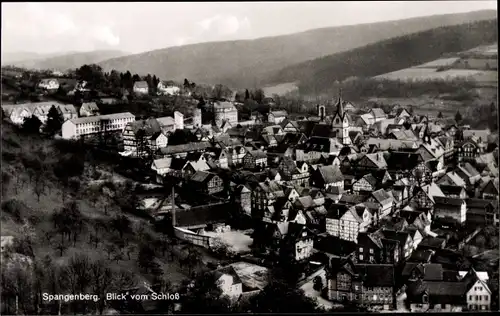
46 27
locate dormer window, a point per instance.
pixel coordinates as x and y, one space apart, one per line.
425 299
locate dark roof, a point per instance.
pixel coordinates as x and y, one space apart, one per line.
202 176
451 189
352 199
478 203
306 127
230 271
441 292
331 174
376 275
421 256
381 196
322 130
432 242
401 237
206 214
444 201
431 271
403 160
336 211
184 148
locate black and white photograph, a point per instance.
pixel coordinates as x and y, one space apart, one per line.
279 157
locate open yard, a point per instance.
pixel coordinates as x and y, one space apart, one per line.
237 241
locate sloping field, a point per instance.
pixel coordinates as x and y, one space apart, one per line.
443 62
416 73
280 89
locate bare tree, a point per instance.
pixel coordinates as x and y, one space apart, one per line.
102 278
110 249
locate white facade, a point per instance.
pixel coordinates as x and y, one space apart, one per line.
168 89
49 84
179 120
303 249
91 125
226 284
479 297
224 112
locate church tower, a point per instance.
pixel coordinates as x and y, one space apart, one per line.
340 122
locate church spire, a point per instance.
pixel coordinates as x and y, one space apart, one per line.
340 105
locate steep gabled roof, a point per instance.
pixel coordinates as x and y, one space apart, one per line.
331 174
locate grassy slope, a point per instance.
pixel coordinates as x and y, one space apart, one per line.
38 213
387 56
241 64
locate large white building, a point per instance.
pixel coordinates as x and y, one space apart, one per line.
95 124
49 84
18 112
224 112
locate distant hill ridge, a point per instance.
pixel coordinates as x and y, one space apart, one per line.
69 60
247 63
387 56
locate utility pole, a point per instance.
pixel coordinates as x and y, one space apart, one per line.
173 206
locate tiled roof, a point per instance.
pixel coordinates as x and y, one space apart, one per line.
257 154
202 176
452 178
331 174
382 196
403 160
162 163
166 121
184 148
448 202
141 84
421 255
336 211
432 190
445 289
431 271
229 270
432 242
378 159
376 275
468 170
483 134
279 113
90 106
378 112
353 199
92 119
451 189
478 203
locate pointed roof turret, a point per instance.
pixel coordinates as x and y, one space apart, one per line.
340 104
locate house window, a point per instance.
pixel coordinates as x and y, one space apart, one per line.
371 250
470 297
360 257
360 249
486 297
